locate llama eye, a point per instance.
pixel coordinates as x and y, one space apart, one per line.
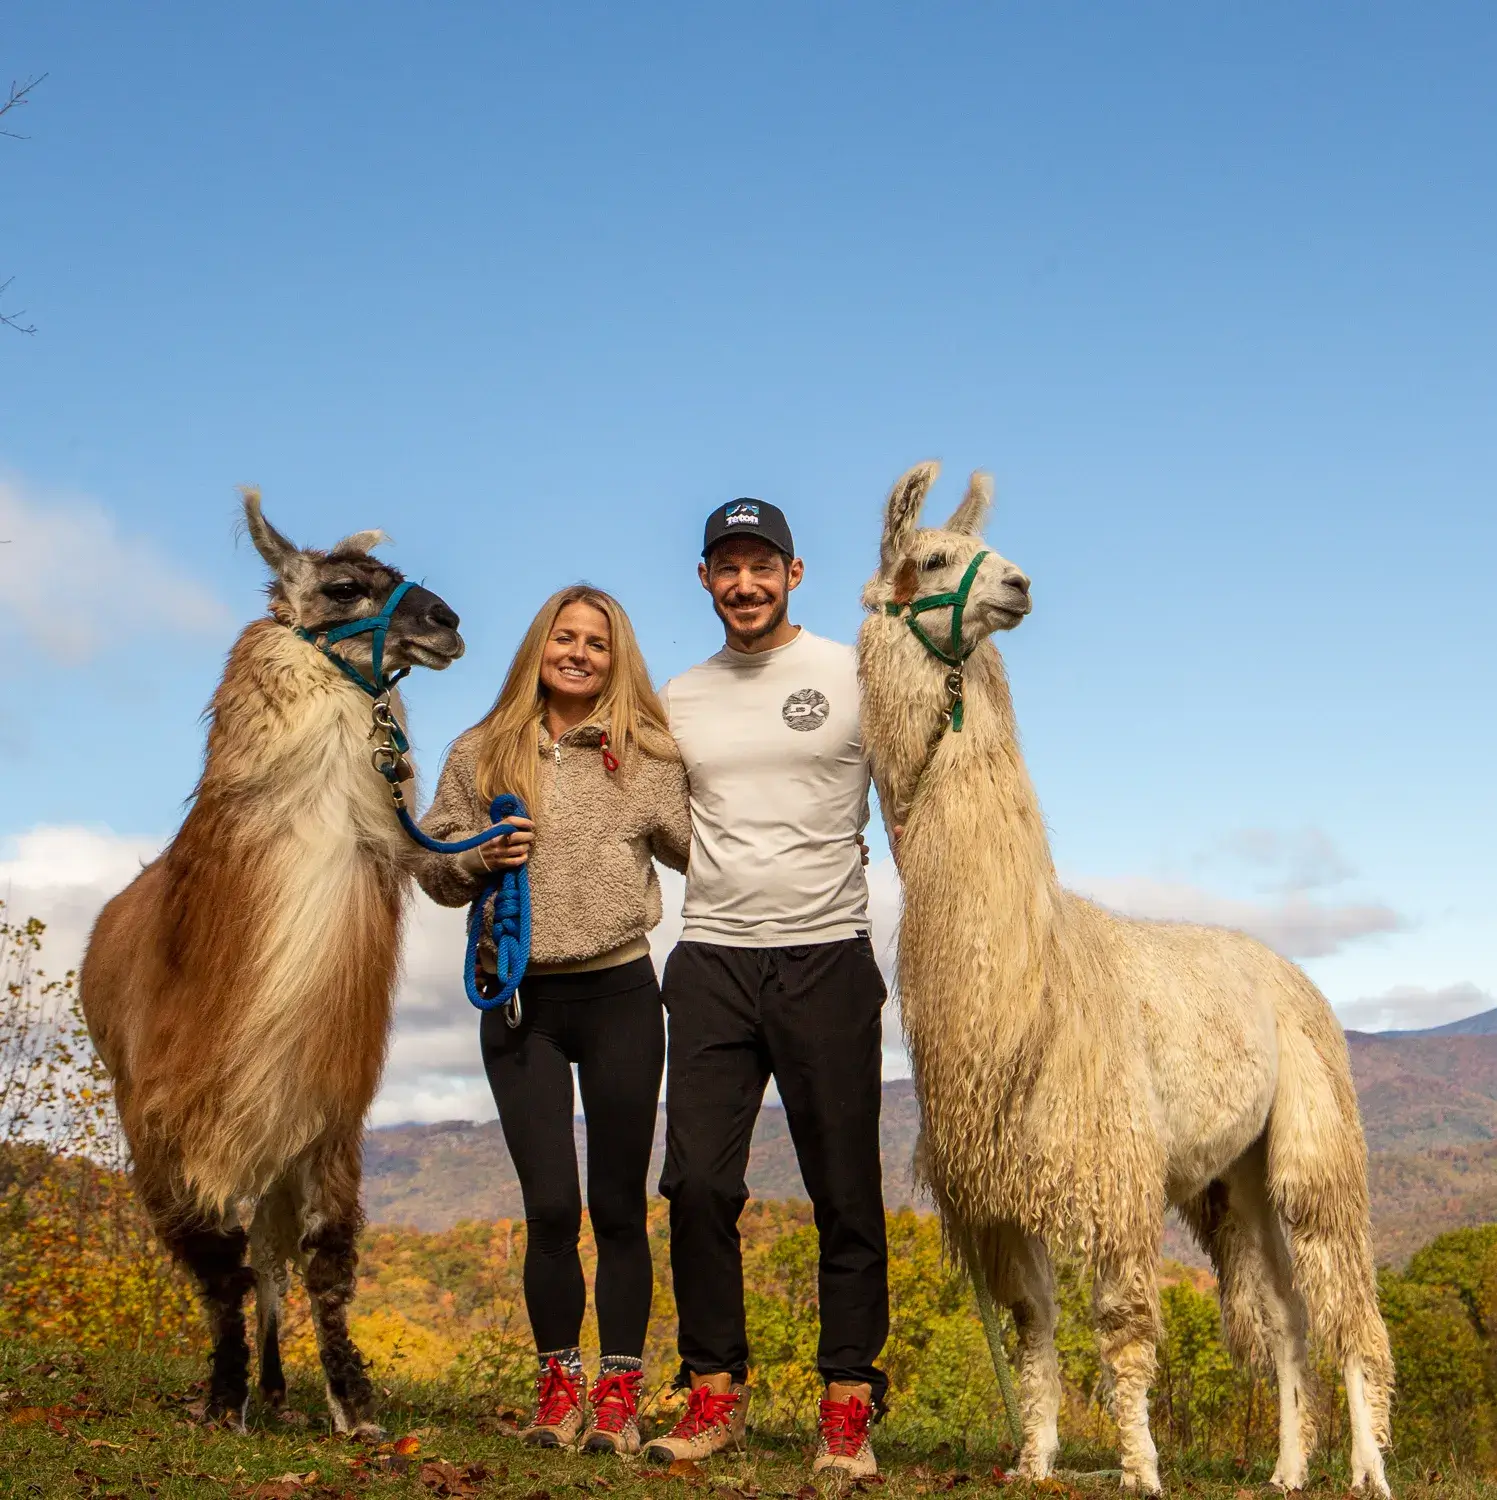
342 593
934 561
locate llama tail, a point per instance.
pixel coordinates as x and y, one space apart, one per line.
1317 1180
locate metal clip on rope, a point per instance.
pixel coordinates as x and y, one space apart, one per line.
502 907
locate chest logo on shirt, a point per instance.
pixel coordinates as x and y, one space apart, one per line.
805 709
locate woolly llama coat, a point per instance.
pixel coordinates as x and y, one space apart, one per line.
240 989
1077 1071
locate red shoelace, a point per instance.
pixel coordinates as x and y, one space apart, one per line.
844 1425
615 1400
705 1409
556 1397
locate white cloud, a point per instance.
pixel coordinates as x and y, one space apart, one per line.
63 875
1410 1007
69 580
1294 924
1304 860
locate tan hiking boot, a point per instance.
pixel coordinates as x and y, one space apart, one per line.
560 1413
614 1399
713 1420
844 1441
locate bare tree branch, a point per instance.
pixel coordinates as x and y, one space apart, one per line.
14 100
14 320
18 93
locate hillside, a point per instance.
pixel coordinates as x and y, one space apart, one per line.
1484 1024
1429 1106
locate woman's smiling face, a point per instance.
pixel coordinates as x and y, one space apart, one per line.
578 654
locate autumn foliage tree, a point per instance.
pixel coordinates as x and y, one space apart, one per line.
78 1262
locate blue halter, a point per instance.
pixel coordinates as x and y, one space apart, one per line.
376 625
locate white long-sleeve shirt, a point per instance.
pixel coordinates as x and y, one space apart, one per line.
779 793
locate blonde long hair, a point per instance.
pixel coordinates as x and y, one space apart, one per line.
627 706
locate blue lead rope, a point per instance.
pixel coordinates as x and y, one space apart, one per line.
504 901
502 907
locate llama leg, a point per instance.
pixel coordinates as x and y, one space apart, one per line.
328 1249
1024 1282
268 1256
1127 1310
1262 1314
1285 1317
270 1289
1317 1180
215 1257
1366 1455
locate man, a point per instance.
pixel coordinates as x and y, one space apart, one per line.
774 976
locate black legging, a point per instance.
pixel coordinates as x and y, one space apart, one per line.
610 1023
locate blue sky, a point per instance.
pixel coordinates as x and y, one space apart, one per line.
1209 289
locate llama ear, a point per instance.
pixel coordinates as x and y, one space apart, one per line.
902 512
970 514
359 542
269 543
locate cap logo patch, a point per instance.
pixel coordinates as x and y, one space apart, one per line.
742 514
805 710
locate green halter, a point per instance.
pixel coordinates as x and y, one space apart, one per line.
955 657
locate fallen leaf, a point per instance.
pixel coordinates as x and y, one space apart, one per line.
113 1447
406 1446
292 1418
808 1492
538 1495
684 1468
24 1415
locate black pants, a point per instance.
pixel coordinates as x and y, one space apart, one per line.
811 1016
610 1024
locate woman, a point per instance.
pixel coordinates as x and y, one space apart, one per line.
579 735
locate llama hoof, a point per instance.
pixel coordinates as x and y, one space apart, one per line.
228 1418
1142 1482
1372 1482
1034 1466
1288 1481
368 1432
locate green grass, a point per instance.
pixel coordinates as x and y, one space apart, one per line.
122 1424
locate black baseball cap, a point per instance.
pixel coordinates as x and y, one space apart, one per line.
748 517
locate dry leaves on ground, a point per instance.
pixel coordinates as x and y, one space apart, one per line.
443 1478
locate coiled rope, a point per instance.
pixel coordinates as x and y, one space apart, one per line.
502 906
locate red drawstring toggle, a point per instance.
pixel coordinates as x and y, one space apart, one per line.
610 760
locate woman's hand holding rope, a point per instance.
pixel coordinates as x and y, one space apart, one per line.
510 851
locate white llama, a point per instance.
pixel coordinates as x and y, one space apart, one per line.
1079 1072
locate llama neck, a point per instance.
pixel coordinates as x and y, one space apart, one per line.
980 894
288 740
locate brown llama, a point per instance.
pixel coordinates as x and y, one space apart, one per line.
1079 1072
240 989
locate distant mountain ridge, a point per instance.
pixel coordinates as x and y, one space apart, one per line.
1483 1025
1428 1101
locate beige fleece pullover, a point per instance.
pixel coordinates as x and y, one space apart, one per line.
593 888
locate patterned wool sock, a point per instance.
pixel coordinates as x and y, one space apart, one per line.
569 1359
619 1364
